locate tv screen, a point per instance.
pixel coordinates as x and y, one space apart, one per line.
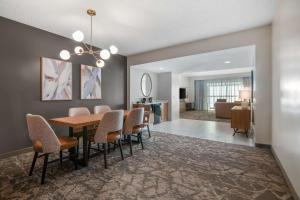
182 93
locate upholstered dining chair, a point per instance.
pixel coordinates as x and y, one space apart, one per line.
109 131
79 111
101 109
46 142
147 112
133 125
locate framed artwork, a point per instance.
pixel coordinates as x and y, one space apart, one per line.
56 80
90 82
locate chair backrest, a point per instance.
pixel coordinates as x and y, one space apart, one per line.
40 131
112 121
134 118
79 111
101 109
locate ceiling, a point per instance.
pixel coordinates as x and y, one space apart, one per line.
228 61
137 26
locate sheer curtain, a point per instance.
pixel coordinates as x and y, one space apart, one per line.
208 91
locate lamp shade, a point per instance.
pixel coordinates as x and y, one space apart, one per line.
245 94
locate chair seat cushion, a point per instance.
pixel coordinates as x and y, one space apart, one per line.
66 143
137 129
111 137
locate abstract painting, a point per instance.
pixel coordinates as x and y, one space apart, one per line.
56 79
90 82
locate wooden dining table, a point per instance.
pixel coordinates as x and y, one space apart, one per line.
80 122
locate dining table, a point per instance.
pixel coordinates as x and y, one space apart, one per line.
82 122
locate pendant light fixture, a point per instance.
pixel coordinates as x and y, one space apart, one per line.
99 55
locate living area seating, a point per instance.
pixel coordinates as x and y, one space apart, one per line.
223 108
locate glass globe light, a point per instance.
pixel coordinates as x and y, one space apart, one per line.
78 50
100 63
104 54
113 49
78 36
65 55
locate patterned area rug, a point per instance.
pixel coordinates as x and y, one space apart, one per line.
170 167
202 115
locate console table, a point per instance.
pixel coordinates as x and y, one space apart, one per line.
240 119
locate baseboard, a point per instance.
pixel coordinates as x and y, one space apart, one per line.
266 146
15 153
293 191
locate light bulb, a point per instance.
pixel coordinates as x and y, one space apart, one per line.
100 63
78 50
78 36
104 54
113 49
65 55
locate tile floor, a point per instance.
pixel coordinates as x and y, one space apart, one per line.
210 130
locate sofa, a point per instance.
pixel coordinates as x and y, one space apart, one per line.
223 109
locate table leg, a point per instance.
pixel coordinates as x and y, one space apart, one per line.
85 146
72 150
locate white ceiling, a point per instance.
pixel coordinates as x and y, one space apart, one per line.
141 25
242 59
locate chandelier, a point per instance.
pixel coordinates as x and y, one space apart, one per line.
99 55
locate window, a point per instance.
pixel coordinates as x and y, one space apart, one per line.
221 89
208 91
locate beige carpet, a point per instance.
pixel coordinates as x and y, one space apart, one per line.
202 115
170 167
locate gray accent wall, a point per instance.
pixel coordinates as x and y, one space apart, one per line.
21 47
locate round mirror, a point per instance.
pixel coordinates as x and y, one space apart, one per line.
146 84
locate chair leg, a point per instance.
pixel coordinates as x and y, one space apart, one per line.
33 163
60 157
148 130
89 149
141 139
130 144
121 150
105 154
44 168
98 146
115 144
108 147
77 149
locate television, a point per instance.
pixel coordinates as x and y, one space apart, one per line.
182 93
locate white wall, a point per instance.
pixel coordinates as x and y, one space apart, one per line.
286 89
261 38
164 92
135 84
175 96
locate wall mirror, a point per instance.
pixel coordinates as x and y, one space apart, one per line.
146 85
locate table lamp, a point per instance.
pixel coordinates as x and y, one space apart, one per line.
245 95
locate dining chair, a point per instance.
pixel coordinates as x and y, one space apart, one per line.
147 112
77 132
133 125
101 109
45 142
108 132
